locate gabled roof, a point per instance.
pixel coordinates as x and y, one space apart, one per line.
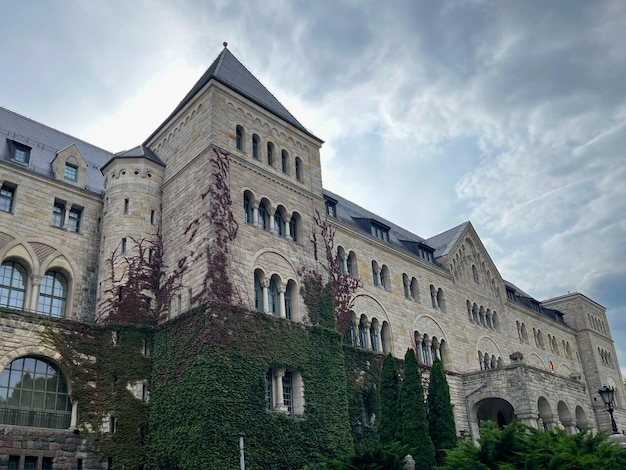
227 70
443 242
45 143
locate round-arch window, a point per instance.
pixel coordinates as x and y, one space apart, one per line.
52 295
12 285
34 393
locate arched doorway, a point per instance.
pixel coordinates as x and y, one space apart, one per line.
497 410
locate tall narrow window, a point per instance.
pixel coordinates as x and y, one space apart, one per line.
273 298
123 245
239 138
52 295
270 154
7 194
74 219
58 214
258 293
255 146
288 391
263 218
298 169
288 302
126 206
152 216
12 285
284 161
293 228
279 224
247 210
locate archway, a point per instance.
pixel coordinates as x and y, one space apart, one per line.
497 410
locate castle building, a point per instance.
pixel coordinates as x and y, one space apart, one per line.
66 205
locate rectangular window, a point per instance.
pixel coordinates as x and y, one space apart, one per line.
19 152
126 206
288 391
74 219
14 462
71 172
331 210
30 463
152 216
7 194
46 463
58 214
123 245
112 424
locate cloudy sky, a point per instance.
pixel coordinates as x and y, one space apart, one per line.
511 114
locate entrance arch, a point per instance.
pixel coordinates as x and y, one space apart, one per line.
497 410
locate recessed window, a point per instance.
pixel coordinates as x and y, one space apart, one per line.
70 172
239 138
152 216
283 392
255 146
263 217
73 220
247 210
123 245
380 232
52 295
58 214
126 206
331 209
284 162
7 194
298 169
12 285
270 154
279 224
19 152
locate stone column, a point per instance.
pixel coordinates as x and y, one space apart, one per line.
66 216
282 308
266 298
418 345
34 295
366 336
74 418
428 344
344 264
255 215
528 418
271 228
280 404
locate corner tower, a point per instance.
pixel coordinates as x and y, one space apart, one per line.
132 200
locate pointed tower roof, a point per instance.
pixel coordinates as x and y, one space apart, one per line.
227 70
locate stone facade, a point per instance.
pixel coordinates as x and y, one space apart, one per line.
508 355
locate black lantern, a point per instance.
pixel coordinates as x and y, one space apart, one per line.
608 394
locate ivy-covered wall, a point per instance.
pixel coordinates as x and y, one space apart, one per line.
209 384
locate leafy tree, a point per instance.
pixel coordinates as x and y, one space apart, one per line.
381 457
413 424
440 415
517 446
389 384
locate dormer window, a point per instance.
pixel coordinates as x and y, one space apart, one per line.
19 152
331 209
380 232
70 172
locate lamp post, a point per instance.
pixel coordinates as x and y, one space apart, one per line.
242 459
607 394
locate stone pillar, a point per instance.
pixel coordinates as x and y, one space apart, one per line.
528 418
282 308
34 295
266 297
344 264
74 418
255 215
287 227
271 227
418 345
66 216
280 404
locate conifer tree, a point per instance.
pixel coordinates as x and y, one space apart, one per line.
413 423
440 415
388 420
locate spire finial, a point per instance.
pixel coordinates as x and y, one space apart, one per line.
225 44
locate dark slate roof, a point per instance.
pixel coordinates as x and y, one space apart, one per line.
443 242
532 304
45 143
227 70
360 218
141 151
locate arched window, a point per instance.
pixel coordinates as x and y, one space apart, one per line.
475 313
270 154
279 224
264 217
294 226
441 301
239 138
433 296
289 301
247 210
405 283
52 295
363 333
273 298
284 162
258 293
298 169
341 260
384 278
351 264
385 338
12 285
475 273
34 393
255 146
414 289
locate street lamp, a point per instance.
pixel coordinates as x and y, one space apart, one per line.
607 394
